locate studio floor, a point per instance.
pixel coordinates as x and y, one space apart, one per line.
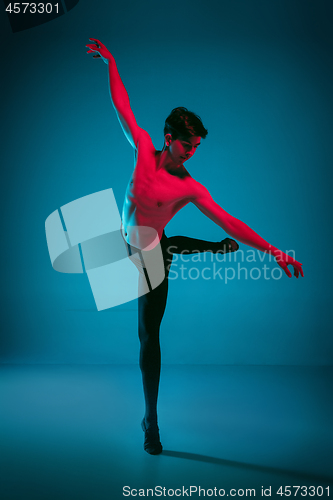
73 432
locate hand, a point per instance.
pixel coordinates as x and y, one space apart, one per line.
230 245
285 260
99 50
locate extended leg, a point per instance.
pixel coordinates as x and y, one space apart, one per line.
179 244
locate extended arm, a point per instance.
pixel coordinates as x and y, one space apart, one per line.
243 233
119 96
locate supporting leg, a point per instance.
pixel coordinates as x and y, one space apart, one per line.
151 311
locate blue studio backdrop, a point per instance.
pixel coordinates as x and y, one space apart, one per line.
259 74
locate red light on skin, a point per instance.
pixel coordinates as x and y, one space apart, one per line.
182 149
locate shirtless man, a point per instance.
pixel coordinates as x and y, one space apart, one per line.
159 187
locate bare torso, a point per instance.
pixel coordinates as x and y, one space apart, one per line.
153 195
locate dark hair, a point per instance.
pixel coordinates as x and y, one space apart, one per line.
184 123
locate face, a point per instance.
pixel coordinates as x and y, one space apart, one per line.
182 149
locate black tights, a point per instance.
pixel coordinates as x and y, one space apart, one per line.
151 310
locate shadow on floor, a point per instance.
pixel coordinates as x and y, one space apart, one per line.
242 465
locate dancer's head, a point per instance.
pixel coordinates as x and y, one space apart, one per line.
183 131
184 123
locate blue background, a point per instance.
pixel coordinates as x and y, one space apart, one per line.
259 73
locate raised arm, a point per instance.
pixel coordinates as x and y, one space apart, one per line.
237 229
119 96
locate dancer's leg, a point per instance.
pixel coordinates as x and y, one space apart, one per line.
151 310
186 245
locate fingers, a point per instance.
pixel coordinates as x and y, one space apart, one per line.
93 50
286 270
95 56
98 49
93 47
97 42
297 267
300 270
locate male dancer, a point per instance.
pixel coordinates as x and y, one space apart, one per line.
159 187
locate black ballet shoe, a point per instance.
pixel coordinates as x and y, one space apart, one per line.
229 245
152 443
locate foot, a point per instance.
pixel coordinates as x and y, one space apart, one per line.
152 443
229 245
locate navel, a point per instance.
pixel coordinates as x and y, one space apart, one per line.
159 203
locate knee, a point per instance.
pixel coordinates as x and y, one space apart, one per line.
148 335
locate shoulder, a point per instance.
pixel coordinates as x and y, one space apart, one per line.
196 190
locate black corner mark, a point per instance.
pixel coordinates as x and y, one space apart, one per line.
70 4
27 15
